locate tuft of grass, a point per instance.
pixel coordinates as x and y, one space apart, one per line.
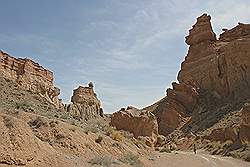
8 121
102 161
23 105
117 136
132 160
38 122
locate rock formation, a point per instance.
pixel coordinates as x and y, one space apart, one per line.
213 81
176 108
140 123
85 103
29 76
214 72
218 66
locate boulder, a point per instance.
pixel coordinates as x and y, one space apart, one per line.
140 123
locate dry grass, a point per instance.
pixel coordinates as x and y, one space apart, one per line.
131 159
104 161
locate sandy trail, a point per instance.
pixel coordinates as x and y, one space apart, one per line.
180 159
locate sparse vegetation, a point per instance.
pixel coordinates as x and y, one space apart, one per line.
165 149
104 161
114 134
131 159
99 139
38 122
8 121
117 136
23 105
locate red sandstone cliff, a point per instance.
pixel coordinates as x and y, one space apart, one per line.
219 66
213 81
29 76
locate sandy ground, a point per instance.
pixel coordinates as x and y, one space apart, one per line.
180 159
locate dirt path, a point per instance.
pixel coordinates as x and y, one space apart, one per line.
180 159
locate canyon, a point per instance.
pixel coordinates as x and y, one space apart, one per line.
208 106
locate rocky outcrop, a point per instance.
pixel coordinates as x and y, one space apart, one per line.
214 73
85 103
140 123
175 109
218 66
29 76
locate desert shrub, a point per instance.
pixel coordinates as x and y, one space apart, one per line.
65 116
92 129
115 145
99 139
131 159
8 121
53 124
23 105
117 136
165 149
38 122
102 161
226 144
73 122
109 130
127 134
59 136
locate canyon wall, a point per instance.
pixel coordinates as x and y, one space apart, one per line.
218 66
215 73
30 76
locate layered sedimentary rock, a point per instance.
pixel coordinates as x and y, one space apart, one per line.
218 66
214 79
85 103
140 123
29 76
176 108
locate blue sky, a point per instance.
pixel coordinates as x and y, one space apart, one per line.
130 49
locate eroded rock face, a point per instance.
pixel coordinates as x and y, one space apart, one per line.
223 134
85 103
218 66
201 31
175 109
214 72
30 76
140 123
